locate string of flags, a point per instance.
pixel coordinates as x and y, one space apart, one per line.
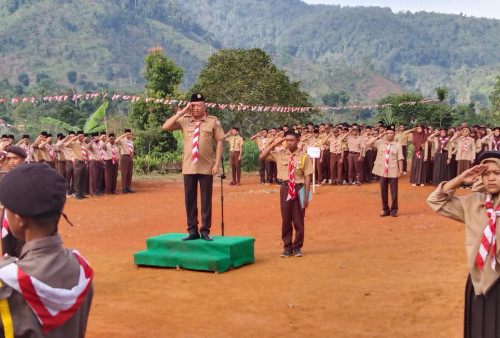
180 103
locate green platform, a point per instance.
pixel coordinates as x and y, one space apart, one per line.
224 252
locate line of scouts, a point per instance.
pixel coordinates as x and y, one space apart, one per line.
89 165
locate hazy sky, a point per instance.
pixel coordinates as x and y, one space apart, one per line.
478 8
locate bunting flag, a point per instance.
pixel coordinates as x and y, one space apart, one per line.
180 103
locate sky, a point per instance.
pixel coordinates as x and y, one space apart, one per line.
477 8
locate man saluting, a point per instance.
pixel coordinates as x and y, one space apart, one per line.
199 132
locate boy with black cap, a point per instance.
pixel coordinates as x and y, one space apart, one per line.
199 131
294 171
80 159
48 290
235 150
479 211
110 164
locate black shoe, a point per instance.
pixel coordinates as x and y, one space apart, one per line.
190 237
286 253
394 214
384 213
124 191
94 195
80 197
232 183
130 190
206 237
297 252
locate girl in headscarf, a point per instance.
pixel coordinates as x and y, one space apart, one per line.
417 175
466 151
441 169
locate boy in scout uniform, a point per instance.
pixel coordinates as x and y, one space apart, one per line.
199 132
294 171
96 165
235 150
47 291
389 167
126 160
80 158
336 156
262 142
110 164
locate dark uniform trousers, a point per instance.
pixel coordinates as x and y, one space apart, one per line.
10 245
271 171
368 164
110 175
346 166
336 167
70 178
262 170
387 183
126 169
355 167
291 213
325 165
80 175
61 168
405 155
235 165
95 176
191 201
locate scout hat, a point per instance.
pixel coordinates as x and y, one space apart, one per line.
33 190
16 150
488 156
197 97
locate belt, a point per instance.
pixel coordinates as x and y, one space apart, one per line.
286 183
353 152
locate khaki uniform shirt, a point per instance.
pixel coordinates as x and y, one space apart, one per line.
336 146
210 131
235 143
123 144
402 137
262 142
76 148
437 145
108 149
94 154
356 144
469 209
395 155
44 152
470 153
302 164
46 260
59 149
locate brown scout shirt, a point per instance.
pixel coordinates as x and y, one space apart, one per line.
94 154
395 155
402 137
356 144
108 152
59 149
123 145
302 164
262 142
336 146
210 131
470 153
469 209
76 148
235 143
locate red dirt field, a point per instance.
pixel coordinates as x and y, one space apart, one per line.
361 275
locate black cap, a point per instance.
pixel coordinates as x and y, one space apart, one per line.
33 190
26 136
48 135
80 132
128 130
391 127
102 133
11 136
488 154
111 135
197 97
293 132
71 132
94 134
86 135
16 150
4 136
44 133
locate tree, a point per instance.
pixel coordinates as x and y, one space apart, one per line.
248 76
495 101
71 75
23 79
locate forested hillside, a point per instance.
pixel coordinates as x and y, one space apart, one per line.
367 52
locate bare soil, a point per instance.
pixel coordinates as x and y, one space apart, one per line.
361 275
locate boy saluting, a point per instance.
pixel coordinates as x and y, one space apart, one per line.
294 171
47 291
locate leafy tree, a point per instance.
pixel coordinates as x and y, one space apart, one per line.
71 75
495 101
23 79
247 76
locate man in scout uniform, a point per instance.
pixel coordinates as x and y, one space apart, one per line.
199 131
294 171
25 144
235 150
60 155
110 164
389 167
126 160
96 166
262 142
68 155
336 156
80 157
47 291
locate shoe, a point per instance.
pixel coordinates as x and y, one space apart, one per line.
358 183
422 185
124 191
384 213
232 183
130 190
394 214
297 252
286 253
238 183
191 237
404 172
349 183
413 185
261 183
324 181
267 183
332 183
206 237
80 197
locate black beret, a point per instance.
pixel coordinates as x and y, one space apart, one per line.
16 150
33 190
48 135
44 133
86 134
391 127
94 134
26 136
11 136
128 130
103 133
80 132
71 132
111 135
197 97
488 154
4 135
236 128
59 134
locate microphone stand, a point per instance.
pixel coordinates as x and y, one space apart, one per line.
222 177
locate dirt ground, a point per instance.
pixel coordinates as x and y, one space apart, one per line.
361 275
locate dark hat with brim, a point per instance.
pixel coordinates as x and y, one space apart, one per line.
16 150
33 190
26 136
128 130
11 136
197 97
487 155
